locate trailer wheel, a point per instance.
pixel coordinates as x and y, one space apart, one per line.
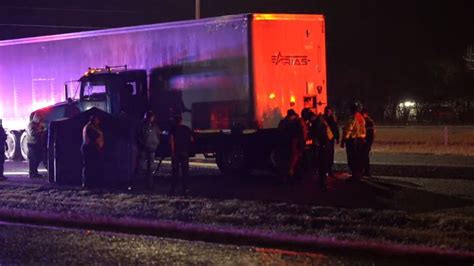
13 151
24 146
233 161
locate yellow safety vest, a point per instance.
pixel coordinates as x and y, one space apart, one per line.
355 127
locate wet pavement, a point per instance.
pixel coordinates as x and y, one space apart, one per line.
26 244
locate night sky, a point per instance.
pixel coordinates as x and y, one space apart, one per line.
373 46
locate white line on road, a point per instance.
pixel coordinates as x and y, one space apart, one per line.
14 173
196 164
206 165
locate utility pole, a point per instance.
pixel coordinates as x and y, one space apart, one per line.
197 9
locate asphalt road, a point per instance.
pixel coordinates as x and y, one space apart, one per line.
28 244
412 159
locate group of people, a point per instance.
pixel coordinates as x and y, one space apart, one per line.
319 130
148 138
322 132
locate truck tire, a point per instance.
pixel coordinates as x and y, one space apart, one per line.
24 146
13 151
232 161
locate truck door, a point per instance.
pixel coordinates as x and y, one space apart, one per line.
133 99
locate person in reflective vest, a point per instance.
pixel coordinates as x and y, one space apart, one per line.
353 140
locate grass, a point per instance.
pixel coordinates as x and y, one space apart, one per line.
453 229
425 139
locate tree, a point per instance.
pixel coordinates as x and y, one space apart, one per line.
469 58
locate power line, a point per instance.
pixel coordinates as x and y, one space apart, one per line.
52 26
72 9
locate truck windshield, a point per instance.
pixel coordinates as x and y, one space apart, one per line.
94 92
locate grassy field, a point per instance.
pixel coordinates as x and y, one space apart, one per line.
425 139
449 226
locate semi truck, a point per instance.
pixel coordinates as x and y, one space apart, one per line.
232 79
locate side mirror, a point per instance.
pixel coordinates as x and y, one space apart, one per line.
66 92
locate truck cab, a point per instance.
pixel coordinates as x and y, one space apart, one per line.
114 90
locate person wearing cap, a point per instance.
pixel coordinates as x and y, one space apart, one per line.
181 139
148 138
353 140
35 138
3 145
369 140
93 152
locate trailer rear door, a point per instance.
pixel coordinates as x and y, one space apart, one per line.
289 65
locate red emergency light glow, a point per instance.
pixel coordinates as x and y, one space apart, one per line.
289 65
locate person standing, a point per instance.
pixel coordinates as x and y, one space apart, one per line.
321 135
353 140
323 141
93 152
331 121
310 157
294 134
3 144
148 138
181 140
369 140
35 136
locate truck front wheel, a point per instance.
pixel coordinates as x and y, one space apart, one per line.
24 146
233 161
13 151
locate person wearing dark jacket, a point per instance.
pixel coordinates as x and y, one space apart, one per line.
181 139
93 152
3 144
294 133
331 121
369 140
324 143
148 138
35 137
